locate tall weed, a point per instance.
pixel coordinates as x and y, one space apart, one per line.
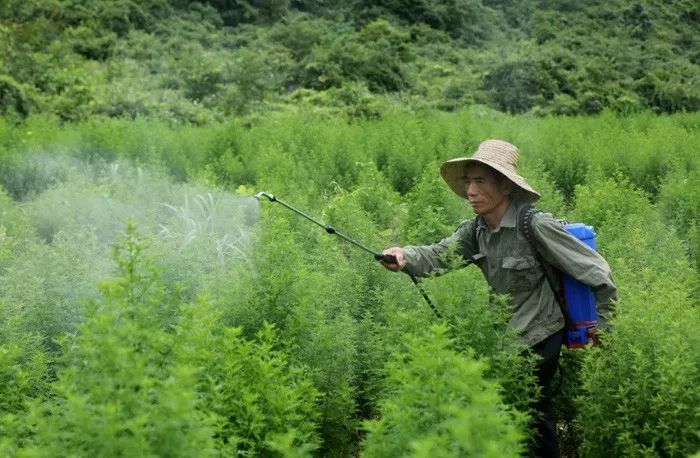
637 399
633 399
118 391
254 401
438 404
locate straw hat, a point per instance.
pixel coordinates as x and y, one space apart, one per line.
497 154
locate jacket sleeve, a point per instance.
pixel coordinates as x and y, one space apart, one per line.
422 260
574 257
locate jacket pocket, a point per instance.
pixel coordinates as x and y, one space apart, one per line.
520 273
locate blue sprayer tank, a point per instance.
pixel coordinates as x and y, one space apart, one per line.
580 300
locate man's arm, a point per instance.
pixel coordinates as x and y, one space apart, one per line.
420 261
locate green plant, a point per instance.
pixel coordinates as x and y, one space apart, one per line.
255 401
437 403
24 376
117 389
13 97
637 384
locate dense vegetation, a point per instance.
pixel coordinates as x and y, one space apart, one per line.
149 306
202 61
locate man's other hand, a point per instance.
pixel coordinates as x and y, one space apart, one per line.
400 259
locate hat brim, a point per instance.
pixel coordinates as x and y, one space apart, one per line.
453 171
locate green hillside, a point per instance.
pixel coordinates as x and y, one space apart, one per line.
202 61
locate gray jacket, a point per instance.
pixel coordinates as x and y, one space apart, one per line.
506 260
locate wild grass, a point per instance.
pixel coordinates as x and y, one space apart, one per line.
228 270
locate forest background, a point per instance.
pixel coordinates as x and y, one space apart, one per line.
148 306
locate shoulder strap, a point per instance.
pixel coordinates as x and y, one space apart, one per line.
475 238
551 273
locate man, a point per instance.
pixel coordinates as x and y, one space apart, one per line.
494 242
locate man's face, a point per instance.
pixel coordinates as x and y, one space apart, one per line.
484 192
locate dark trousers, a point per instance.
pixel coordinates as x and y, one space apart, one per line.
546 444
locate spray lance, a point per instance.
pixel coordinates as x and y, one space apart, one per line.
388 258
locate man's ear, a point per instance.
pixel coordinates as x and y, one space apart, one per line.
507 187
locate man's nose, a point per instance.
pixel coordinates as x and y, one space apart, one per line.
471 189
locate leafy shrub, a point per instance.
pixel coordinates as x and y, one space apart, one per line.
24 376
594 203
628 384
15 224
678 199
13 97
462 19
136 387
47 298
518 86
551 199
668 90
479 324
377 198
433 209
321 334
115 16
308 293
244 11
375 56
637 401
89 43
254 401
23 372
438 404
117 391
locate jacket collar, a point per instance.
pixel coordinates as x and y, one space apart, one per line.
509 217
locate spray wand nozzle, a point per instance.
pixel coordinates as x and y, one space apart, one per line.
266 194
387 258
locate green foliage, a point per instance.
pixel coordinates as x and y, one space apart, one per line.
13 97
433 209
464 19
23 372
46 298
376 56
517 87
672 89
479 324
637 385
24 376
230 299
15 224
438 404
647 361
117 391
194 62
250 395
678 199
235 12
137 385
309 301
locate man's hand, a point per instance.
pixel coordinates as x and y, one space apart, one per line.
400 259
593 336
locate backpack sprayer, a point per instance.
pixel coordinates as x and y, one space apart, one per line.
388 258
576 300
579 298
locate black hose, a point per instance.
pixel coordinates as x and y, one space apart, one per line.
387 258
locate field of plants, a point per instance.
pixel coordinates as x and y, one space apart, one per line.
149 306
